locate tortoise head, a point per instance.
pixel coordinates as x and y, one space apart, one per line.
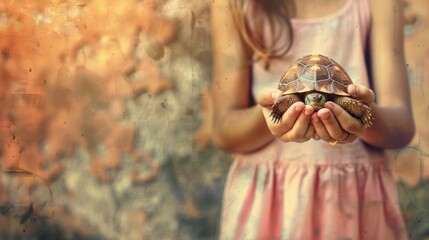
315 99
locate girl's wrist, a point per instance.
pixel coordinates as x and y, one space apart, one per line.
393 127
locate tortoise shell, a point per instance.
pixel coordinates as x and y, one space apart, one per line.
315 72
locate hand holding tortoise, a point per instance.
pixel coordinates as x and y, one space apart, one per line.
317 99
316 79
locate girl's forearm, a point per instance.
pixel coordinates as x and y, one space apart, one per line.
242 130
393 127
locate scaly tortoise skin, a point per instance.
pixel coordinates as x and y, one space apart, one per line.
315 79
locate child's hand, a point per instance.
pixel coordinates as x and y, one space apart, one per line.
295 125
333 124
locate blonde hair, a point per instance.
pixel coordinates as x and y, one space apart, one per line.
276 13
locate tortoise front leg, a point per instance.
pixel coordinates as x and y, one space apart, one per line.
356 108
281 105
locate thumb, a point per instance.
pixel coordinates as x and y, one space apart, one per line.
361 93
267 96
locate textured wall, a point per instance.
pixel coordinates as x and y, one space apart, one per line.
102 109
410 165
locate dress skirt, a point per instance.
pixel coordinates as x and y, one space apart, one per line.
311 191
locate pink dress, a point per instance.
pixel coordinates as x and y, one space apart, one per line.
313 190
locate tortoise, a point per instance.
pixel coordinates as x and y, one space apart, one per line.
315 79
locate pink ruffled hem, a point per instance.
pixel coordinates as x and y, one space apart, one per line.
292 200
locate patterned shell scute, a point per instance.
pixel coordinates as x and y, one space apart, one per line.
315 72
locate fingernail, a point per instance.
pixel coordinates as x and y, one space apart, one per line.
308 111
315 118
316 136
299 108
329 105
353 90
324 115
276 94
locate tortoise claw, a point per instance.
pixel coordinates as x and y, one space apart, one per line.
366 117
281 105
274 117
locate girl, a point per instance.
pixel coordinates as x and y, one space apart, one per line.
314 175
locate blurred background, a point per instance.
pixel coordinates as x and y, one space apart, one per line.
105 121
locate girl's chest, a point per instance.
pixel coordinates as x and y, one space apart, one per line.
307 9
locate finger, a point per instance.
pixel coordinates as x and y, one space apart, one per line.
291 113
301 130
345 120
332 126
267 96
322 132
311 132
361 93
350 138
316 136
287 121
